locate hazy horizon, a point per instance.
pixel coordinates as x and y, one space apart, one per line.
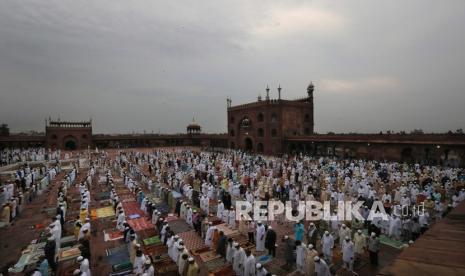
153 65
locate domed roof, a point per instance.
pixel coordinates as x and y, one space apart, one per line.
193 127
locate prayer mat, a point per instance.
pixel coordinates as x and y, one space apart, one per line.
132 208
191 240
163 208
246 244
122 273
118 258
225 271
171 217
226 230
112 235
133 216
123 266
147 233
140 224
209 256
391 242
264 259
128 200
103 196
152 240
155 250
168 269
179 226
215 264
199 251
69 254
105 212
387 241
115 250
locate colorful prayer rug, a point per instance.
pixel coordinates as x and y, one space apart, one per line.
179 226
215 264
152 240
112 235
209 256
140 224
191 240
105 212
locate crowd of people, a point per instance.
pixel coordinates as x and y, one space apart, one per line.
211 183
226 177
22 155
22 187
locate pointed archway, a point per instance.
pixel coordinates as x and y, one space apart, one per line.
248 144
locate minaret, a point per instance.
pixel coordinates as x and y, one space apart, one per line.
267 93
279 92
259 97
310 90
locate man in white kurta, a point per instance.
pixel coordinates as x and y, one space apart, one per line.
360 243
238 261
260 237
321 267
261 271
84 265
232 218
327 242
344 232
209 235
348 253
249 265
301 254
220 209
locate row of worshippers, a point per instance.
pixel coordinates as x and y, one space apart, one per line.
13 196
14 155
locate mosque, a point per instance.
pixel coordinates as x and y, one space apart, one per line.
268 126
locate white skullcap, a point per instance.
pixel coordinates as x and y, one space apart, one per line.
310 246
76 272
316 259
148 262
80 259
259 265
190 259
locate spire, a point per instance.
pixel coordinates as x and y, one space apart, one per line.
310 89
267 93
279 92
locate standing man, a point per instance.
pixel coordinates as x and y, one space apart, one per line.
260 237
373 248
270 241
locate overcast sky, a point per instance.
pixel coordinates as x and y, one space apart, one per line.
153 65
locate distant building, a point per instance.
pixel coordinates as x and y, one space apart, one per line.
262 126
68 135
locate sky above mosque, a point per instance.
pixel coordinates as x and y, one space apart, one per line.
153 65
